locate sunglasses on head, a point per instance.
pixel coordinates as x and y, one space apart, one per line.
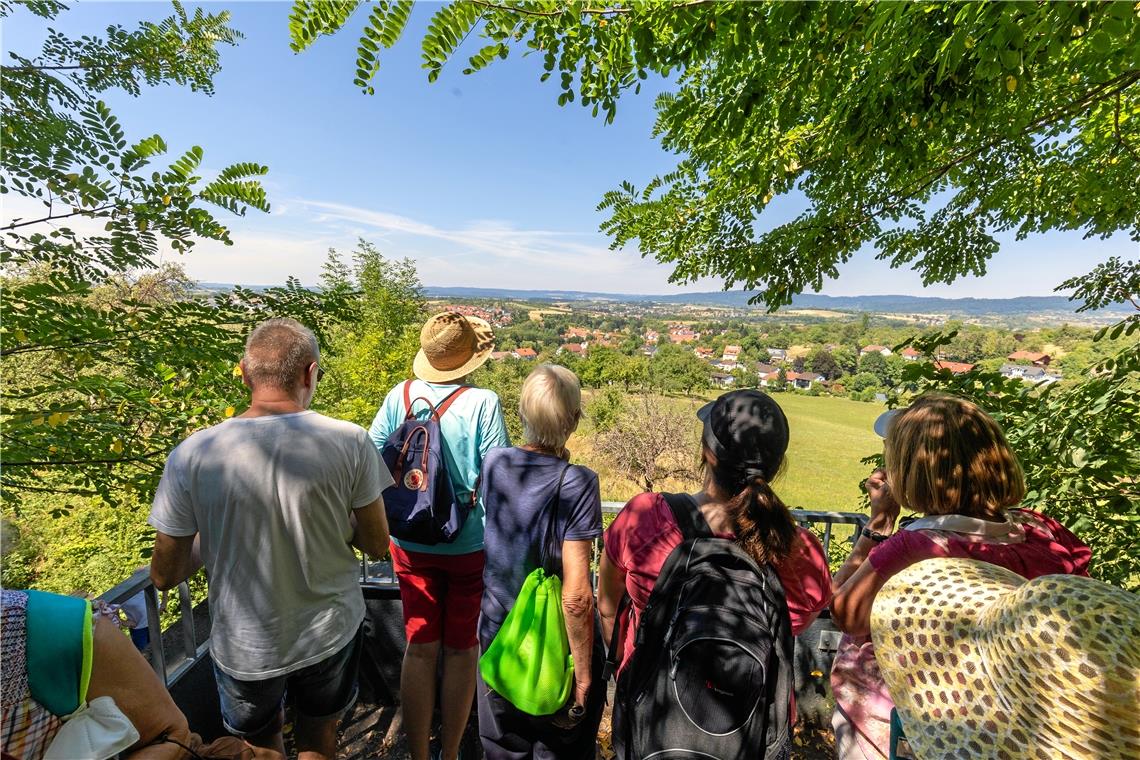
320 370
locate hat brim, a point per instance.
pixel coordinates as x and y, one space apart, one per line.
976 656
883 421
485 344
704 412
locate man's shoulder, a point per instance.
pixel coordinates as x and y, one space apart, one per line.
335 426
200 438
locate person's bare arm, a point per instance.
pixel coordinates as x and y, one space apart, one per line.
884 512
174 559
578 608
857 581
370 529
851 607
611 589
120 672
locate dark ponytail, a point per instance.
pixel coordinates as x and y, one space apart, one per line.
761 521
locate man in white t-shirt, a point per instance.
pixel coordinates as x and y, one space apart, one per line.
273 502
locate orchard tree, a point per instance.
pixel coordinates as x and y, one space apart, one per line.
921 129
107 359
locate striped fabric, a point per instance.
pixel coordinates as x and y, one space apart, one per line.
26 727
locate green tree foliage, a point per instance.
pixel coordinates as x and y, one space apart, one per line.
675 369
372 350
606 409
922 129
107 359
822 361
863 381
1077 442
875 364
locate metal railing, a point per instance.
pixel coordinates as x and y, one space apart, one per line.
170 670
379 575
375 576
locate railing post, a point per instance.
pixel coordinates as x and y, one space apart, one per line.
154 626
189 639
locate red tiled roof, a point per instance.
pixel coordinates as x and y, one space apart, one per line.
526 352
1027 356
910 351
956 368
574 348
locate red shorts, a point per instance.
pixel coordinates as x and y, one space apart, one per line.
441 594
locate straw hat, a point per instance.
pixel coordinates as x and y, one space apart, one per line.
982 663
452 345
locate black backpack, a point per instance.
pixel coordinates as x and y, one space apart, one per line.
710 677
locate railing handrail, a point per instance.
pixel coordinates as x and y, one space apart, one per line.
139 582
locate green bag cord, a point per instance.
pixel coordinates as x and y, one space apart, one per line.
60 641
529 661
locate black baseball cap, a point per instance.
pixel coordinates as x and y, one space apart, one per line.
746 426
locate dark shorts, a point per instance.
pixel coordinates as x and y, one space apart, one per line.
440 594
325 689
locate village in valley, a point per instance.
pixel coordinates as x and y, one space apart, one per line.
850 354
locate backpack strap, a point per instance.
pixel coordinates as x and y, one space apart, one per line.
612 654
449 400
688 516
552 525
437 410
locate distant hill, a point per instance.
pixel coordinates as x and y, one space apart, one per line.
1049 308
881 304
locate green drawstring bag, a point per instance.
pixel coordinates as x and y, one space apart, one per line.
529 661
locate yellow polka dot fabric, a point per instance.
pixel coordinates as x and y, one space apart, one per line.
982 663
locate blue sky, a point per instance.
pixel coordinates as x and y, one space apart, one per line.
482 179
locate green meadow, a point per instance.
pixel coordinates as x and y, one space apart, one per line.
829 438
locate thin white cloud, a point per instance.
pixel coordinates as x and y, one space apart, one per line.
494 242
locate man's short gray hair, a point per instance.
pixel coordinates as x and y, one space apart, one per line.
277 352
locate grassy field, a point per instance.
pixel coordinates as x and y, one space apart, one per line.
829 437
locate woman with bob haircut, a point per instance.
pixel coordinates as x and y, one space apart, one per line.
517 485
947 460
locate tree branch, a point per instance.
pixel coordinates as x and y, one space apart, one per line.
1116 128
615 11
40 489
50 218
59 462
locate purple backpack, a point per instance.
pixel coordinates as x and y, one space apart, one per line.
421 504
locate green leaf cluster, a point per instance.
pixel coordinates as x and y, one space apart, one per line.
109 359
923 130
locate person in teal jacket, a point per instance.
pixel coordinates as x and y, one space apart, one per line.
441 584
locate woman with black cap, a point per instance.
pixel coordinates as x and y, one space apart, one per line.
743 446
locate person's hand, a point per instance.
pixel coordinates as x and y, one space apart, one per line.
581 691
575 709
884 506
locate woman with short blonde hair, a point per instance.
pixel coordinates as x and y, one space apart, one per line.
949 461
528 489
550 406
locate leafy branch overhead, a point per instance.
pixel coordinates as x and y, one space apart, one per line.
922 130
107 358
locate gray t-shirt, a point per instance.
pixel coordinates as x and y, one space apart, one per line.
271 497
